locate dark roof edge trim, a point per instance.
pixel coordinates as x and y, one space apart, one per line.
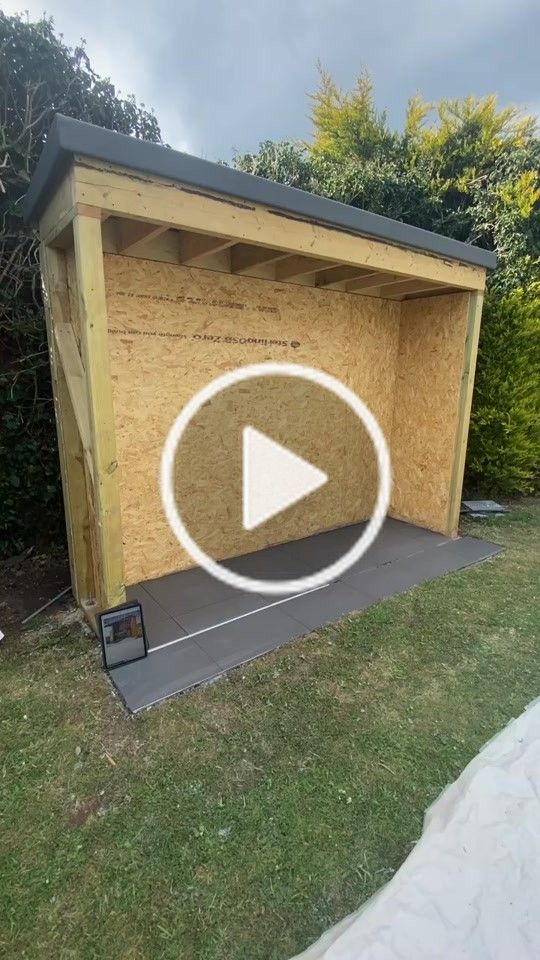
68 137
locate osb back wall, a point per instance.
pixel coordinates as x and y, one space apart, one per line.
172 329
313 423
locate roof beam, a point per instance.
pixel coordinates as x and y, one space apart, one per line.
410 286
327 278
370 280
129 233
245 257
433 292
297 267
196 246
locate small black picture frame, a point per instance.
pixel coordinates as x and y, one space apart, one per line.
123 637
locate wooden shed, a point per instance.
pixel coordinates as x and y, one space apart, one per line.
150 257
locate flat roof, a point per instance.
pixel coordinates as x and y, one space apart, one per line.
68 138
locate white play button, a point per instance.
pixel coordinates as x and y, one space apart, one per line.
273 478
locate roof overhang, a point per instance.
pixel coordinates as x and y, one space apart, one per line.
70 138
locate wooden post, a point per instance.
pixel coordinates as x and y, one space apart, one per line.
70 446
464 410
95 357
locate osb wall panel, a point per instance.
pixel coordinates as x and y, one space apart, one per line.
429 371
171 330
314 424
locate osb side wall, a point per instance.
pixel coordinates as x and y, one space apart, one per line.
172 329
429 370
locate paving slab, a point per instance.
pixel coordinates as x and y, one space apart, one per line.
434 561
159 625
188 590
325 606
236 643
162 674
224 610
198 627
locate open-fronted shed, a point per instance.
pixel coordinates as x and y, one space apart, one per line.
152 258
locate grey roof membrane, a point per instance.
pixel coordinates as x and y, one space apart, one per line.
68 137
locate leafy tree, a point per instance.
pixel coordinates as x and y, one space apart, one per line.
39 76
284 162
506 216
470 170
348 124
464 168
353 158
379 185
483 162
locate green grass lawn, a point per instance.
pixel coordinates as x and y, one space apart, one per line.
239 821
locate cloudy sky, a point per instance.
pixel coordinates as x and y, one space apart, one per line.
224 76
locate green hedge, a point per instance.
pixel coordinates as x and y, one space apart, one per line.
39 75
504 442
31 510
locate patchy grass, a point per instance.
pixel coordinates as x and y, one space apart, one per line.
241 820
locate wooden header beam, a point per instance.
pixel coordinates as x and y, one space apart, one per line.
171 205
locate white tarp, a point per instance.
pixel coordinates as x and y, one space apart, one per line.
470 889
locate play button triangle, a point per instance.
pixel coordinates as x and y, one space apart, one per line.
273 478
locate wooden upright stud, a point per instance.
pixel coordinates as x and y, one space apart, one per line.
464 409
70 445
95 356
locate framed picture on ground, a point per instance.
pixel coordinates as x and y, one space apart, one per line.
123 638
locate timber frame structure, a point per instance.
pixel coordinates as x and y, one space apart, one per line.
96 193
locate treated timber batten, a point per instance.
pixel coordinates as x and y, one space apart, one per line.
73 371
245 257
470 354
95 356
70 445
56 224
130 233
122 194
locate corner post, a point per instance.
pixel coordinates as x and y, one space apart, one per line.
476 300
95 356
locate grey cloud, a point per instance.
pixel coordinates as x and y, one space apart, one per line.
224 76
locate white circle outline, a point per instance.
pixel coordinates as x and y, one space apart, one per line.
326 574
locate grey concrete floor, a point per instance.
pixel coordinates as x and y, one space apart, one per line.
198 627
